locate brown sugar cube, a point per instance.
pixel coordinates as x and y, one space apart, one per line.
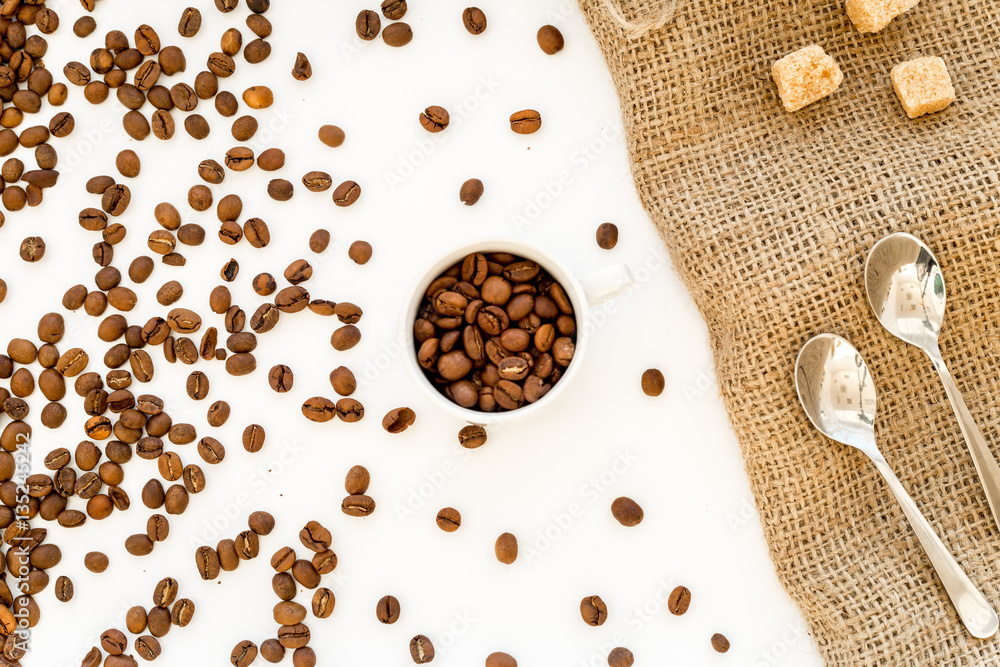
805 76
873 15
923 85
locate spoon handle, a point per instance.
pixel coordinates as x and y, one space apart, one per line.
974 610
986 465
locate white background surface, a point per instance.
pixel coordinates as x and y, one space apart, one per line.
550 481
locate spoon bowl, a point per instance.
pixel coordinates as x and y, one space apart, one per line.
838 395
906 289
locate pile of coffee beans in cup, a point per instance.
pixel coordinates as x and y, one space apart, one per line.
495 332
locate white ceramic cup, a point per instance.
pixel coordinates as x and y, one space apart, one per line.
604 285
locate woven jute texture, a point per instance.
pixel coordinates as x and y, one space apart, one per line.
768 217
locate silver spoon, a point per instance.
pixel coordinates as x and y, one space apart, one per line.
838 395
906 290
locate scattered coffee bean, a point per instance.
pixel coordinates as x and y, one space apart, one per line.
720 643
398 420
471 192
627 512
302 69
550 40
620 657
421 648
653 382
472 436
397 34
331 135
360 252
323 603
358 505
506 548
475 22
679 601
190 22
607 235
258 97
64 589
346 193
449 519
525 122
243 654
96 562
357 480
434 119
593 610
387 610
500 659
368 24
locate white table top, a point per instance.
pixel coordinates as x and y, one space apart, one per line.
549 481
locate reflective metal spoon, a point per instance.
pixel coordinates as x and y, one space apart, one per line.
906 291
838 395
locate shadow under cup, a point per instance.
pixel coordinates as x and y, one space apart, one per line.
551 265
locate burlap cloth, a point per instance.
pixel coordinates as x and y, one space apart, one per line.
768 217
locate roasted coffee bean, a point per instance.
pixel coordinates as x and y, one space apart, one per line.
620 657
550 40
679 601
157 528
331 135
421 648
343 381
357 480
139 545
358 505
315 536
475 22
449 519
258 97
247 545
506 548
32 248
182 613
387 610
434 119
367 25
593 610
190 22
527 121
257 51
253 438
627 512
136 620
720 643
148 647
360 252
397 34
211 450
261 523
398 420
302 69
207 562
345 337
304 573
280 189
176 500
607 236
653 382
471 192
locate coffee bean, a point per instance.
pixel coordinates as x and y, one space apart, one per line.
506 548
331 135
253 438
387 610
182 613
345 338
343 381
360 252
367 25
96 562
525 122
500 659
325 562
475 22
304 573
679 601
32 248
550 40
397 34
139 545
421 648
207 562
434 119
471 191
148 647
226 104
620 657
653 382
357 480
398 420
627 512
190 22
157 528
593 610
358 505
449 519
302 69
720 643
315 536
243 654
272 650
280 378
607 235
288 613
346 193
257 51
261 523
472 436
280 189
258 97
136 619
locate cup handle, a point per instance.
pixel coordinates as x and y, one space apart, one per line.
607 283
